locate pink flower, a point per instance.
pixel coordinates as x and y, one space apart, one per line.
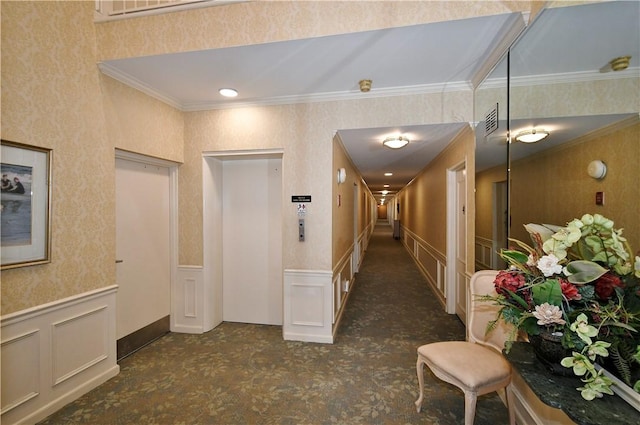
508 281
569 290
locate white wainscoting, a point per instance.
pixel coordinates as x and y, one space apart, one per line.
431 262
308 306
484 249
343 280
54 353
188 303
314 300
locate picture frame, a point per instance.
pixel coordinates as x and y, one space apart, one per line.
25 199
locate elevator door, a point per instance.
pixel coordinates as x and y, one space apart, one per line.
252 241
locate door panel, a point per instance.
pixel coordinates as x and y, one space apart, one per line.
142 245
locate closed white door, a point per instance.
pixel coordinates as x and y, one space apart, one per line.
461 241
252 241
142 245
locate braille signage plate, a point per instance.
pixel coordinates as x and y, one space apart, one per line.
301 198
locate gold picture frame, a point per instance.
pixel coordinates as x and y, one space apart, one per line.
25 198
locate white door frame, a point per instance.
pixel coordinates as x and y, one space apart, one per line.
212 227
452 237
355 263
173 214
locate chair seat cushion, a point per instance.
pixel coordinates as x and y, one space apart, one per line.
471 365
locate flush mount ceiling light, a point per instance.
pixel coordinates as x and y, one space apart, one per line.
531 136
365 85
620 64
395 142
228 92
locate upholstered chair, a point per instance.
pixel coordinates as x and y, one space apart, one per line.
477 365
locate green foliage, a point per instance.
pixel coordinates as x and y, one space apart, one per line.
582 271
547 292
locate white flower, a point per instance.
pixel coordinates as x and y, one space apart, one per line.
548 314
549 266
637 266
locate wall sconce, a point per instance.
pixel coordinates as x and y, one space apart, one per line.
342 175
531 136
597 169
396 142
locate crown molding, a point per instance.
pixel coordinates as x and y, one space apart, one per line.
128 80
500 82
331 96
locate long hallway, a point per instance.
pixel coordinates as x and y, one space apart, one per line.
246 374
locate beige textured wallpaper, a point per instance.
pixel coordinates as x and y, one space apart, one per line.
54 96
138 123
51 98
305 133
268 21
612 96
343 203
484 199
554 187
423 203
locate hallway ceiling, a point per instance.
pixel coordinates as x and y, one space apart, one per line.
429 58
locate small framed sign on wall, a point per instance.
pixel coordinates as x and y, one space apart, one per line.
25 232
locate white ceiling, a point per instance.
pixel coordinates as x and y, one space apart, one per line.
413 59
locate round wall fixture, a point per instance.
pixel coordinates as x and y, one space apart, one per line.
342 175
597 169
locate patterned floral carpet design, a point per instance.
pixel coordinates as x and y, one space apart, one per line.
247 374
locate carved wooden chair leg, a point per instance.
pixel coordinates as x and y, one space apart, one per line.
420 372
470 399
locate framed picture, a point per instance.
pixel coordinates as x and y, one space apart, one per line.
25 232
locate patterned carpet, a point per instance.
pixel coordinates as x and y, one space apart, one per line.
246 374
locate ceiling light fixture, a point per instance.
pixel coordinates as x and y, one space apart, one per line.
395 142
365 85
531 136
228 92
388 174
620 64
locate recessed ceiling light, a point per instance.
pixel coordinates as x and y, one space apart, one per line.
388 174
386 185
228 92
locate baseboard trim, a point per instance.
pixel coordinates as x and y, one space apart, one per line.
131 343
69 397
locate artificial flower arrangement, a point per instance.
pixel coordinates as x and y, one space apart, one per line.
582 285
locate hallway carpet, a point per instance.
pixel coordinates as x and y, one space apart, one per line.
246 374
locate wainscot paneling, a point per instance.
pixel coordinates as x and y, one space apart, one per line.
308 306
484 249
431 262
54 353
314 300
188 309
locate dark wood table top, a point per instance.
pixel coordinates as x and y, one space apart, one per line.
560 392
